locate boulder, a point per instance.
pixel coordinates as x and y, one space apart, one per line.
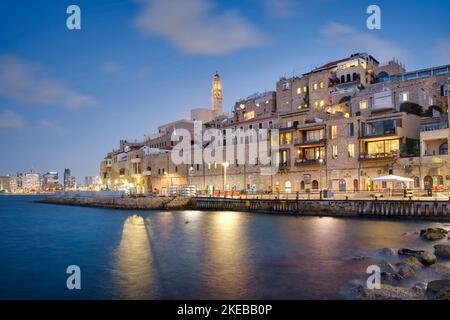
420 288
433 234
424 257
442 251
406 272
387 292
438 290
411 262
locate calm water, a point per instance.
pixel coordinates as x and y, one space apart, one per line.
157 255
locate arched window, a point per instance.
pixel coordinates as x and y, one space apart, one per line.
443 148
416 181
342 79
315 184
428 182
355 185
342 185
287 187
349 78
302 185
355 76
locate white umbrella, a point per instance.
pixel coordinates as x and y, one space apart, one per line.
393 178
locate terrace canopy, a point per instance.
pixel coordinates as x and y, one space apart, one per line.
392 178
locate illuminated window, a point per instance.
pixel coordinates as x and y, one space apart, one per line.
404 96
305 89
316 103
257 104
286 86
299 90
315 86
322 85
242 106
249 115
351 150
322 103
335 151
363 104
267 101
333 132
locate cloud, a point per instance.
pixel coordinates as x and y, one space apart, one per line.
282 8
194 27
111 67
51 126
352 40
10 119
22 81
441 51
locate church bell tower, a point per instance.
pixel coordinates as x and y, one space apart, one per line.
216 97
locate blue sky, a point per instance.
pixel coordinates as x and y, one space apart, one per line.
68 97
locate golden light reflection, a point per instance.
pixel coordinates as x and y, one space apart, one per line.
134 260
227 254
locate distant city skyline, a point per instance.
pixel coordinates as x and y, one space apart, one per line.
67 97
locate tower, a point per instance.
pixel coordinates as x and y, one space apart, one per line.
216 97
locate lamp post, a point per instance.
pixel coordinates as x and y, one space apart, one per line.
320 177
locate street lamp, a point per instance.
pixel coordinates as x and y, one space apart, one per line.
320 177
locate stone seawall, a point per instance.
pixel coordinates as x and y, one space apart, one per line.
429 210
124 203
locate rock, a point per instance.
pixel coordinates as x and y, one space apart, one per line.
438 290
442 251
427 258
406 272
387 292
433 234
387 252
411 262
387 267
420 288
424 257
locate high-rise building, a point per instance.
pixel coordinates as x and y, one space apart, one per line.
69 180
216 97
8 183
50 181
31 182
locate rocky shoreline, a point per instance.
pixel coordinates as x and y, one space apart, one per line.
418 275
124 203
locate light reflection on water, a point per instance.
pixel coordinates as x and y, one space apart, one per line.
187 254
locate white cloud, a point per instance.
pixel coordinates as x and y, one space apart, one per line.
194 27
352 40
111 67
442 51
10 119
282 8
23 81
51 126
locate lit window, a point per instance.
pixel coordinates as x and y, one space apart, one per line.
403 96
257 104
322 85
305 88
286 86
267 101
316 103
335 151
333 132
299 90
363 105
315 86
249 115
322 103
242 106
351 150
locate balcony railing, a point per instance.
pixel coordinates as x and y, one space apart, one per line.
310 142
434 126
303 161
378 156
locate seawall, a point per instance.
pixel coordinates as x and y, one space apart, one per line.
405 209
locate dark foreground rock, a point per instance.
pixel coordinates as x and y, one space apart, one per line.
438 290
389 292
442 251
433 234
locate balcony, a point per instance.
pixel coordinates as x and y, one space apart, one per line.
309 143
378 156
304 161
136 160
433 127
147 173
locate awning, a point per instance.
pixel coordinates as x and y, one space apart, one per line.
392 177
